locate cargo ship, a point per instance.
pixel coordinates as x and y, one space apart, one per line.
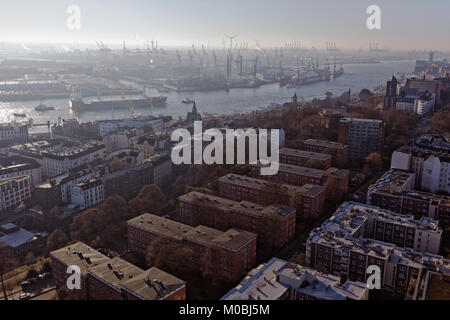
77 102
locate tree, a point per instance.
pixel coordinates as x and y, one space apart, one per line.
373 163
150 199
57 239
171 256
103 226
333 190
7 263
30 258
440 122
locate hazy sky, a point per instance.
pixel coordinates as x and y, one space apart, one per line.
406 24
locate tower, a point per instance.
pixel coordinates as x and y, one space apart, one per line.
391 94
295 100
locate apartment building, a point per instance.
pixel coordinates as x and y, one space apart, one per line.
299 176
394 191
88 193
323 146
305 158
274 224
433 149
236 247
281 280
363 136
60 159
436 174
16 166
432 86
14 192
162 168
308 199
128 182
106 279
416 101
13 132
154 284
358 236
80 255
103 278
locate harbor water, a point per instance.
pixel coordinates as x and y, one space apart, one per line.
356 77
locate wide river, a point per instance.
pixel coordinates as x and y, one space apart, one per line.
356 77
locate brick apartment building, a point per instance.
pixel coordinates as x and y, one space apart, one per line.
359 235
78 254
274 224
316 145
237 247
308 199
395 191
299 176
363 136
103 278
305 158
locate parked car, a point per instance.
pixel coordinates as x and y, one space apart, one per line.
24 296
25 284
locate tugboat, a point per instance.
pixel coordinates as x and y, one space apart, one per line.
43 107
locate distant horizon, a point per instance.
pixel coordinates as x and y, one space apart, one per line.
270 24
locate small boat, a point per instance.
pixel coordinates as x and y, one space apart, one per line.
43 107
19 115
291 86
187 101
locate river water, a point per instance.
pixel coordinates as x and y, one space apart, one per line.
356 77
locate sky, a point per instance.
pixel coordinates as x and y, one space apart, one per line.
406 24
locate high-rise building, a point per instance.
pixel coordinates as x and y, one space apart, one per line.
363 136
391 93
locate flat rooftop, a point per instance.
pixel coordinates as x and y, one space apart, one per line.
81 255
310 190
311 172
115 271
343 230
160 225
361 120
391 180
273 280
244 207
305 154
325 143
153 284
